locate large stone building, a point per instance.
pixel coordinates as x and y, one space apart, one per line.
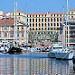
43 26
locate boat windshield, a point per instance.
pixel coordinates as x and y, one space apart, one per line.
57 47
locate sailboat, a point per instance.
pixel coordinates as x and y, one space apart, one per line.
29 48
66 53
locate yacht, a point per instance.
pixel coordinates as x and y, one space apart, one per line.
54 48
66 53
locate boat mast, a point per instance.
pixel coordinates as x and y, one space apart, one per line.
14 22
63 29
26 26
66 20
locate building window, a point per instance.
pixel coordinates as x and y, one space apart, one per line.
27 20
54 19
30 15
51 24
30 20
71 16
57 20
19 13
33 20
42 24
48 20
36 24
48 24
45 19
60 19
48 28
36 20
19 18
30 24
33 24
57 24
22 34
39 29
33 28
39 24
39 20
45 24
36 15
42 20
54 24
30 28
51 20
11 34
36 28
51 28
17 34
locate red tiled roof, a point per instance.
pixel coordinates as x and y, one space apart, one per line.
43 13
17 11
37 13
72 10
6 21
58 13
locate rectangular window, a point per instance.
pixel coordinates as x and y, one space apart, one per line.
17 34
22 34
11 34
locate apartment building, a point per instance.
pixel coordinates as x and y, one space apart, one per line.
44 26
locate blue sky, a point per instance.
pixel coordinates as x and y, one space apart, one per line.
36 6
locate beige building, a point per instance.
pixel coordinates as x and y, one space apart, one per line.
7 30
44 26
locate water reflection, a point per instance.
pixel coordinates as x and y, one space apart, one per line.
38 66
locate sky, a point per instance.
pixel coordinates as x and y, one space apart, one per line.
36 6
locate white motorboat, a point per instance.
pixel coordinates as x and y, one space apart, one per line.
54 49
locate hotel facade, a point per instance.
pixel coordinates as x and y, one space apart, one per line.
44 26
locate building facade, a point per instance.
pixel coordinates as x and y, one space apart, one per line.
44 26
7 31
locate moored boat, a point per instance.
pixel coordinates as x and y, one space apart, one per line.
65 54
54 49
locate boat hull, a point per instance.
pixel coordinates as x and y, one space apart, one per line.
62 56
51 54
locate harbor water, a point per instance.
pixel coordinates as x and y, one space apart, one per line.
30 65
